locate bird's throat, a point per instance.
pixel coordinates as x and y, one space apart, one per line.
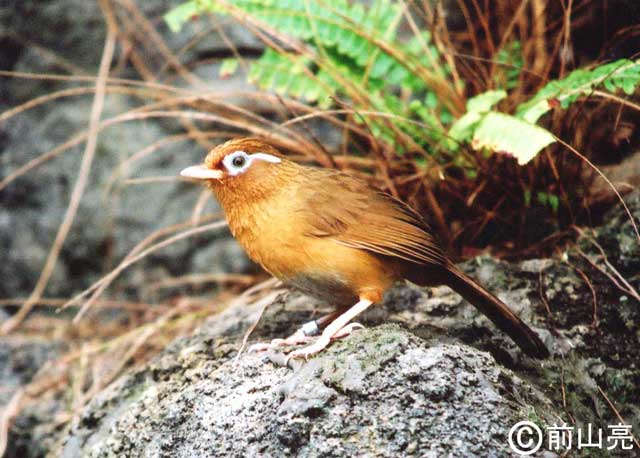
253 205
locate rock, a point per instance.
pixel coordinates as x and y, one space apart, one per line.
107 225
429 376
617 237
36 23
412 388
113 216
380 392
21 357
625 174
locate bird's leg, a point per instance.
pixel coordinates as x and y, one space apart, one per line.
302 335
335 330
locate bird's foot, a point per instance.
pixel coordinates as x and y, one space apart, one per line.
322 342
298 337
346 331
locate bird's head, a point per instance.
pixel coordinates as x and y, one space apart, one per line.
247 167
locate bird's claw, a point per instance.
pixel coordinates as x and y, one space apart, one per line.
262 346
294 339
310 350
347 330
322 342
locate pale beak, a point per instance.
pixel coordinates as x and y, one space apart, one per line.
200 172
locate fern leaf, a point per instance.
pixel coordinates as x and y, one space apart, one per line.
357 51
228 67
623 74
507 134
285 74
464 127
177 17
349 28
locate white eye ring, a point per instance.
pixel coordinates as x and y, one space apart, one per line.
239 161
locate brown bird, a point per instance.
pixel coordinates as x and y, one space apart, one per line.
336 238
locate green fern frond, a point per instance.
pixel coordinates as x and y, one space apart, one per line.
352 30
355 54
463 128
177 17
500 132
622 75
289 74
348 28
510 65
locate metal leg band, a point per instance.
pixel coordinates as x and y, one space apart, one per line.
310 328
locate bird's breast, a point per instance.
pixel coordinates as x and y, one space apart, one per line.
268 237
318 266
330 287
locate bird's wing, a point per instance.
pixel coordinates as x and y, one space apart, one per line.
354 214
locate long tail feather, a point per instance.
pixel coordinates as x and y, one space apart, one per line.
498 312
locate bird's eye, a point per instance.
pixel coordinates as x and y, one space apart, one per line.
239 161
236 163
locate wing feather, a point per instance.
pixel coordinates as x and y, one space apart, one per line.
356 215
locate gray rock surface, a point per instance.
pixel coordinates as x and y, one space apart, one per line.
380 392
113 216
21 357
410 387
429 376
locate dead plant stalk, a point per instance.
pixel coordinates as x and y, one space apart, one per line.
83 174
